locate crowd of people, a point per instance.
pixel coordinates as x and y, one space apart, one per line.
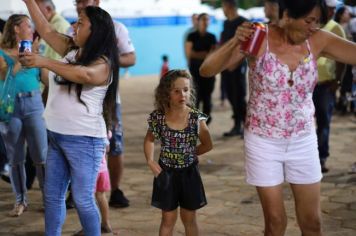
307 54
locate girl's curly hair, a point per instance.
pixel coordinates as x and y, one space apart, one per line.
165 85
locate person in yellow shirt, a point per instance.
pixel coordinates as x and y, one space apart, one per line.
330 73
60 24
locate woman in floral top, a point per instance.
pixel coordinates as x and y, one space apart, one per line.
178 127
280 137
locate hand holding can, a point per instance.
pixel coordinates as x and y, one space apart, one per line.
252 45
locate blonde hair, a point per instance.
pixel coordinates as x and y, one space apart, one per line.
165 85
8 39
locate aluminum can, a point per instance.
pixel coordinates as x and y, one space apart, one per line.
25 46
252 45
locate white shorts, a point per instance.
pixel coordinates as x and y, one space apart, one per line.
268 161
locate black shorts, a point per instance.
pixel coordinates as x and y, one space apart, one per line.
178 187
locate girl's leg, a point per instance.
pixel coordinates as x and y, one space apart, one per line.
273 210
56 184
307 204
169 219
189 220
104 211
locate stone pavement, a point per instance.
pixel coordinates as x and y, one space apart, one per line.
233 207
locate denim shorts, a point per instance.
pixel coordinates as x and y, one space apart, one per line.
178 187
117 139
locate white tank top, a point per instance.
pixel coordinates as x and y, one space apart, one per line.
64 113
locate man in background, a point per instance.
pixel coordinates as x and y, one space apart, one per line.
127 58
60 24
234 81
193 28
330 75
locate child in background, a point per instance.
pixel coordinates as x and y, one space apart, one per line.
178 126
165 66
102 186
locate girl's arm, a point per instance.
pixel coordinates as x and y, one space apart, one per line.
329 45
148 147
206 143
96 73
59 42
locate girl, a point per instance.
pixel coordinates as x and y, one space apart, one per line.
84 81
26 123
178 126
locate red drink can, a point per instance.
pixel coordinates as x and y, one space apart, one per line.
252 45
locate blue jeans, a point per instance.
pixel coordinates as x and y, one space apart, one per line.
75 159
117 139
26 124
324 100
3 158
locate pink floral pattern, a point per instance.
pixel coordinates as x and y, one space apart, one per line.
276 108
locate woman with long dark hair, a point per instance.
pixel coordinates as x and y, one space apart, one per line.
80 107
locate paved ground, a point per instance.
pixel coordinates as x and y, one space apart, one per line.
233 207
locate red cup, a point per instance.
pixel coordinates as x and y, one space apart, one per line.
252 45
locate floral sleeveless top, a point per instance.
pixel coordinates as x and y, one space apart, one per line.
178 147
280 104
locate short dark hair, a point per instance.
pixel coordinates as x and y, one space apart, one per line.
165 57
299 8
339 12
232 3
201 15
272 1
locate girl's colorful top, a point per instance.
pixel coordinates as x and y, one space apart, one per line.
280 104
178 147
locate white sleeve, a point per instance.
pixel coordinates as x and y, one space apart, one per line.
200 119
123 39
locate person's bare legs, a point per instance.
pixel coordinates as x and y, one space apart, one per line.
307 205
273 210
189 220
168 221
104 210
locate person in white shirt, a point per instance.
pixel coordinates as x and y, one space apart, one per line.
80 107
127 58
